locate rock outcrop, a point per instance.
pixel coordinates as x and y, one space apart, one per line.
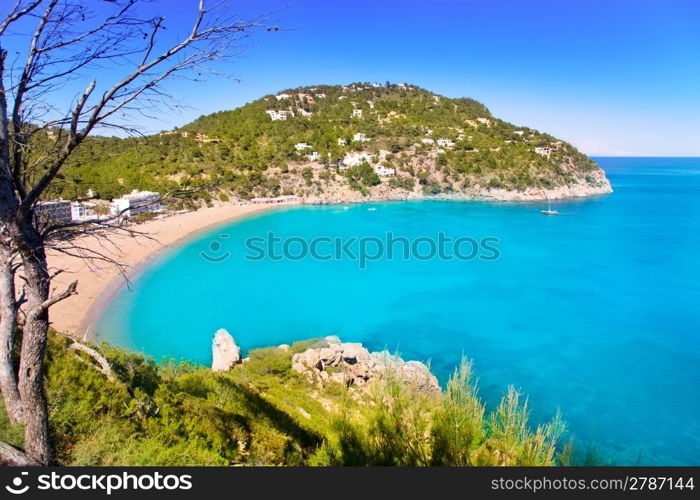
354 366
225 351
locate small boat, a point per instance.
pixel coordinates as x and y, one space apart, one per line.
549 210
371 209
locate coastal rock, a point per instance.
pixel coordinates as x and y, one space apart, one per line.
352 365
225 351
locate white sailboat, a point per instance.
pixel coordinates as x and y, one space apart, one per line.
549 210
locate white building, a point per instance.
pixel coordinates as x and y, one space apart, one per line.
54 211
544 151
342 142
136 202
82 211
485 121
279 200
383 171
321 95
360 137
445 143
301 146
436 98
353 159
279 115
357 113
460 137
427 141
519 132
370 104
313 156
279 97
303 112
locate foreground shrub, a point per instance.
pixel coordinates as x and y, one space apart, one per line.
263 413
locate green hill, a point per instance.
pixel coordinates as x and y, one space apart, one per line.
435 146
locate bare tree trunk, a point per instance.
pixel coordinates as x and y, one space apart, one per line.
8 325
37 443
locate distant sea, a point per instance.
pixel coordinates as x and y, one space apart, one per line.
595 311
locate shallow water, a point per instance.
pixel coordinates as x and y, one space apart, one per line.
594 311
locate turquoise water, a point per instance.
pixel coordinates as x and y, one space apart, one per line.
596 311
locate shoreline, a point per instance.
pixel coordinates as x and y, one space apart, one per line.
97 288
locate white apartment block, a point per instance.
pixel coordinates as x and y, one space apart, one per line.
54 211
136 202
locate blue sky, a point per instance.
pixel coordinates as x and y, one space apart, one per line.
613 77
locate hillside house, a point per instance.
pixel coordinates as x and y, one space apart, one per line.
301 146
357 113
279 97
279 115
383 171
360 137
353 159
445 143
313 156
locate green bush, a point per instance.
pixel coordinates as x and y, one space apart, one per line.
263 413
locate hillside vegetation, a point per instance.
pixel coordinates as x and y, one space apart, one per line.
263 413
435 146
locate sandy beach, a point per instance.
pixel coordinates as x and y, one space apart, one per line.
96 287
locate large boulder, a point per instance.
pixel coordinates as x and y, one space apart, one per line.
352 364
225 352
